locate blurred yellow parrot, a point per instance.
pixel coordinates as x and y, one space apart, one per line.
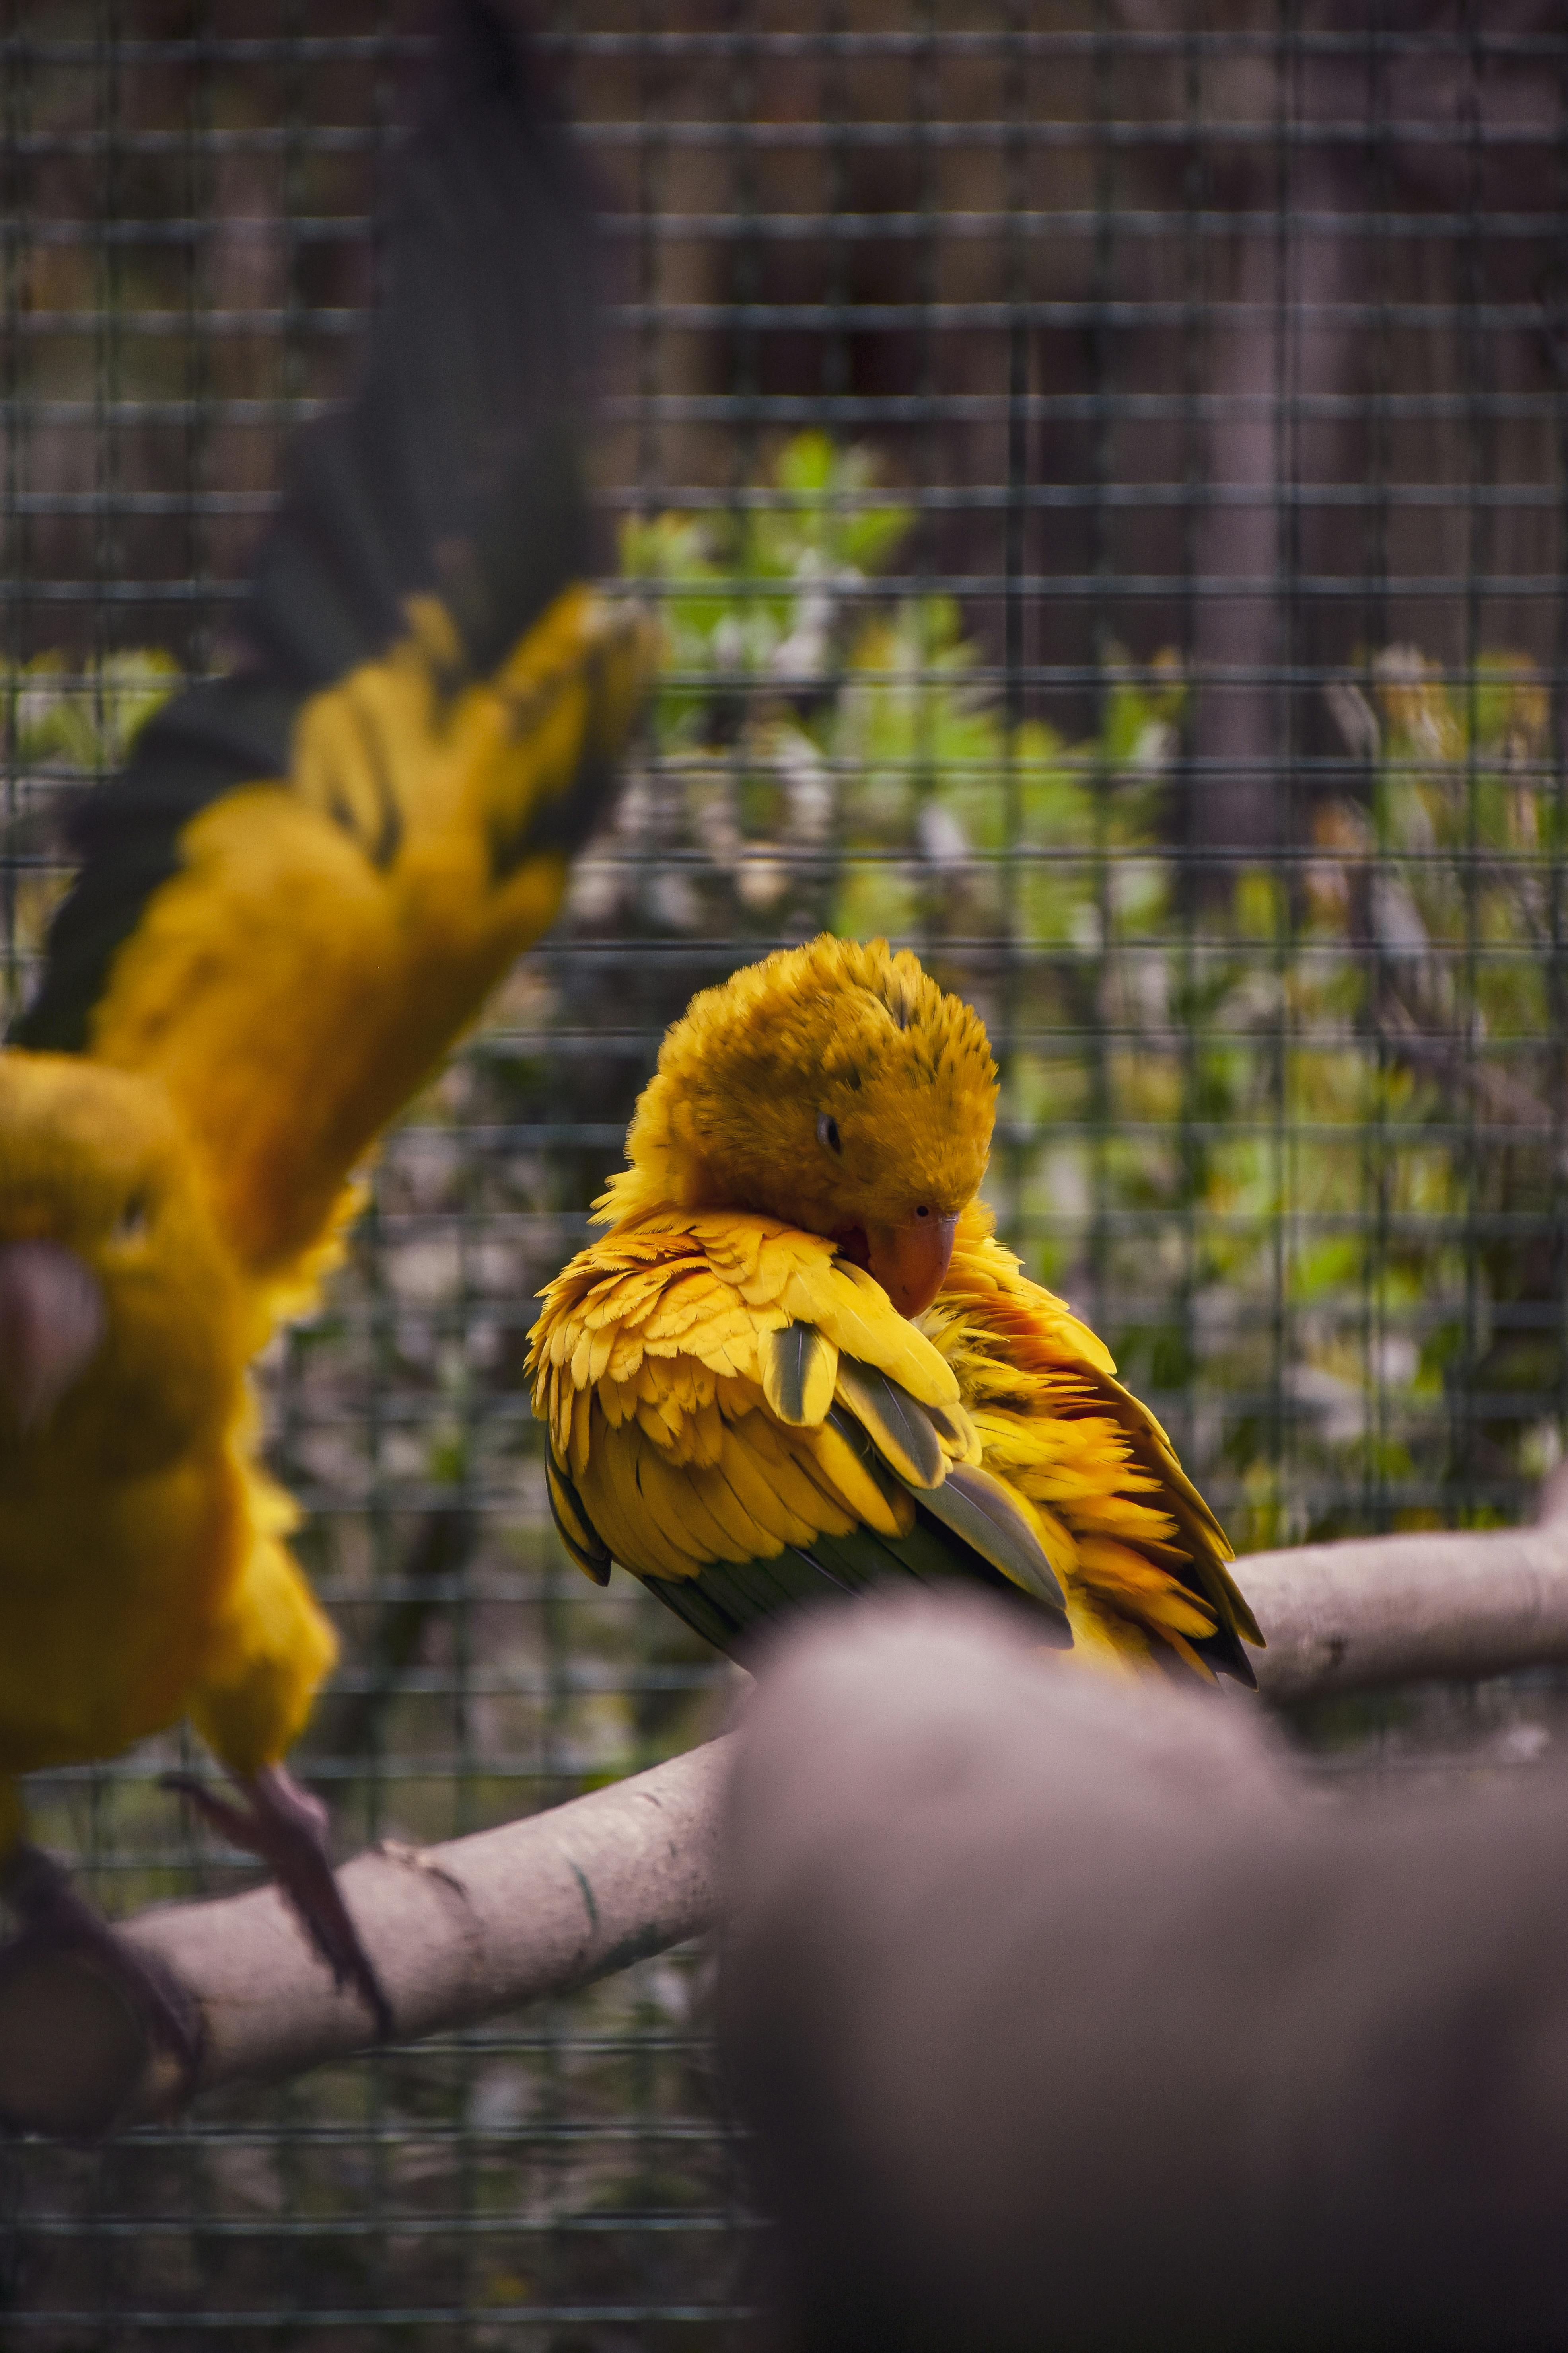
798 1362
295 897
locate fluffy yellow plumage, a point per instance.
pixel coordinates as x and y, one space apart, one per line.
739 1411
835 1033
704 1345
126 1509
294 898
1142 1559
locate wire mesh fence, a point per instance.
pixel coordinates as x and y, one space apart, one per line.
1102 472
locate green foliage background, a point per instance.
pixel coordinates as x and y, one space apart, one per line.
1289 1139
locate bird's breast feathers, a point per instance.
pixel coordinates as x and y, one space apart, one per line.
107 1594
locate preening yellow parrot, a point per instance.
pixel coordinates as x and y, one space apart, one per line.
290 903
798 1361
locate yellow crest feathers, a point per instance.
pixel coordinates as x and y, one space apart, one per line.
829 1084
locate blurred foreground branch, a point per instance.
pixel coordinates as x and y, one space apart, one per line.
538 1907
1087 2018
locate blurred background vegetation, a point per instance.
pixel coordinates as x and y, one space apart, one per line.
1306 1139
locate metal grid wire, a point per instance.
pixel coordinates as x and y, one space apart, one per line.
1104 476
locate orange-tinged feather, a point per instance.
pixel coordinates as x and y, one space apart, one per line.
1056 1425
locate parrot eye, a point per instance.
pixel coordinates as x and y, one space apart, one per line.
827 1134
133 1220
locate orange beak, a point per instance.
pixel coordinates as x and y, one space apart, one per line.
910 1261
51 1322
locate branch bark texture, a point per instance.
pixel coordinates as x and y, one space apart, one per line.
459 1932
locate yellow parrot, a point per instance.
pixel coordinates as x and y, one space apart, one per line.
294 898
798 1362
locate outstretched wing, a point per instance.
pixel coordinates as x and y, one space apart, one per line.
311 871
1144 1562
743 1420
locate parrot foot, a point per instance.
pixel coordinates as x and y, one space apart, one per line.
286 1828
57 1918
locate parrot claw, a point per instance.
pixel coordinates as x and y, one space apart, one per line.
57 1917
286 1828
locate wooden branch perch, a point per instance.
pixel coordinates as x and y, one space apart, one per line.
1413 1608
462 1931
459 1932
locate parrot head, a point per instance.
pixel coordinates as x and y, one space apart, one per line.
835 1087
118 1309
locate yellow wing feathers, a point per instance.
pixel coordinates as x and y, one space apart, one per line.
326 937
701 1378
719 1388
